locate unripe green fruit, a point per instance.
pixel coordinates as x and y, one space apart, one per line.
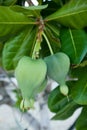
58 67
42 86
30 74
64 89
29 103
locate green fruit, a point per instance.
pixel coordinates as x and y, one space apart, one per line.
58 67
64 89
30 74
42 86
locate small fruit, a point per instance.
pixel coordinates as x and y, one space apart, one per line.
57 68
30 74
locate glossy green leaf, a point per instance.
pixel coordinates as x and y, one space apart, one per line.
30 11
74 44
7 2
79 87
66 111
56 100
19 8
81 123
17 47
54 28
60 105
11 22
73 14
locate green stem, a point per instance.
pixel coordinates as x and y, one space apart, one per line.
36 50
50 48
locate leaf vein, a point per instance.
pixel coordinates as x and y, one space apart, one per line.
73 43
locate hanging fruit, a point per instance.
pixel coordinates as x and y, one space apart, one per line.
57 68
31 77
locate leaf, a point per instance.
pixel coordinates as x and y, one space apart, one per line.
7 2
30 11
56 100
54 28
81 123
59 104
79 87
39 7
73 14
18 47
74 44
11 22
66 111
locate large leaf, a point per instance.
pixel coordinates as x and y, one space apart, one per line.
7 2
79 91
73 14
11 22
60 105
30 11
53 26
17 47
66 111
56 100
81 123
74 44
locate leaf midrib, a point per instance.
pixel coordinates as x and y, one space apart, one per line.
73 43
23 41
85 87
12 23
69 14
